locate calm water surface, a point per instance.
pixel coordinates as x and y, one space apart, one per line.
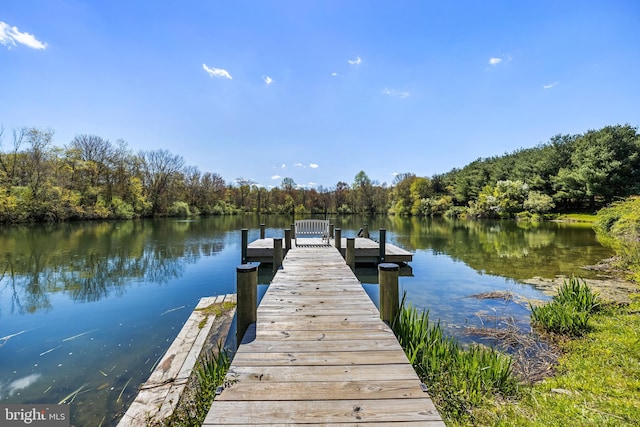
87 309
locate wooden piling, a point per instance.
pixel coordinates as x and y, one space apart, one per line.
262 230
247 291
350 256
287 239
245 245
389 294
331 228
338 239
382 245
277 254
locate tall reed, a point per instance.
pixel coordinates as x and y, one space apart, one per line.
458 378
569 311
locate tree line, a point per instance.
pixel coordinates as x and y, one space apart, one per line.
95 178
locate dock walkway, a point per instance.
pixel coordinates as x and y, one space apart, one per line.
321 356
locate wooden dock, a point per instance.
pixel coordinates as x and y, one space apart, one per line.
320 355
366 251
159 395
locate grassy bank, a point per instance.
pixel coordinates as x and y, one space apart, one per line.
618 227
596 382
576 217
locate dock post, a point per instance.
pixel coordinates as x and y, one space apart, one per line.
247 294
365 231
338 238
245 244
262 228
382 245
277 254
350 256
389 294
331 228
287 239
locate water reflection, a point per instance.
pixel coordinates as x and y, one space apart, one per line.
92 261
517 250
16 385
87 309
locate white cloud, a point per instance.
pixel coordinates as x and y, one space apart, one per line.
313 165
298 165
334 74
494 60
9 36
276 177
217 72
268 80
395 173
550 85
284 166
356 61
393 92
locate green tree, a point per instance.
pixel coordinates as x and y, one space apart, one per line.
363 193
288 184
538 202
606 163
161 171
401 197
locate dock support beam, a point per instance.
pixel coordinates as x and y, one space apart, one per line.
245 244
338 239
262 228
247 290
365 231
389 294
331 228
383 245
277 254
350 256
287 239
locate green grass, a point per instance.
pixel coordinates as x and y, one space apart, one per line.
598 380
569 311
577 217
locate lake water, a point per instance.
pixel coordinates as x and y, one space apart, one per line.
87 309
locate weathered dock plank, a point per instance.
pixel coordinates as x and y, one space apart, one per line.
329 411
158 397
320 356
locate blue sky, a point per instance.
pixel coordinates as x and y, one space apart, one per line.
319 90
